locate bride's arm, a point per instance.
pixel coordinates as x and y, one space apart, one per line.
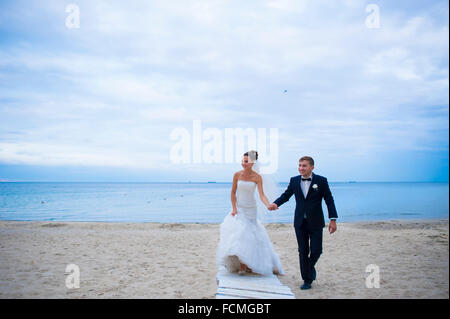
261 192
233 194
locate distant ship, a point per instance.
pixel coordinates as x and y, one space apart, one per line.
352 181
210 182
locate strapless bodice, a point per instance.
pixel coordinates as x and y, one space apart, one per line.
245 194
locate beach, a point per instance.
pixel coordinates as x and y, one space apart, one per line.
169 260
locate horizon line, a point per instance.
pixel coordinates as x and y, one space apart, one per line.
201 182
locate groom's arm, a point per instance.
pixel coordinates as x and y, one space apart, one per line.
285 196
332 213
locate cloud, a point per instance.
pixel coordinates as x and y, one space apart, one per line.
121 83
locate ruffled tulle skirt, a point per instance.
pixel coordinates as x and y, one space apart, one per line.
243 239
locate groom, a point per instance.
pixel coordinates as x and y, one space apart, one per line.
309 189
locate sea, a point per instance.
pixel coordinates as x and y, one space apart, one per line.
207 202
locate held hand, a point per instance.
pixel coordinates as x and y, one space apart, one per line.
234 212
272 206
332 226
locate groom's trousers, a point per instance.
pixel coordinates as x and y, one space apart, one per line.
309 249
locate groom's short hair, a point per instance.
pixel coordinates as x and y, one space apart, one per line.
307 158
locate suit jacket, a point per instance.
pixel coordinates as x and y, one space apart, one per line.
312 204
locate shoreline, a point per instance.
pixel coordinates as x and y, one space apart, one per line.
177 260
406 220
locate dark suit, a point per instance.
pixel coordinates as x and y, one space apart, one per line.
309 231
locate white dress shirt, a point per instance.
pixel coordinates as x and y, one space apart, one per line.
305 188
305 185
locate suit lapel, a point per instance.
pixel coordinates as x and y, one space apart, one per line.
299 187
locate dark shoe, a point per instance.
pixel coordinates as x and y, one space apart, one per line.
305 286
314 275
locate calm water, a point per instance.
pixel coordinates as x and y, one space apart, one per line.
207 202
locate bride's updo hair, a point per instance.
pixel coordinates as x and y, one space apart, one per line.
253 155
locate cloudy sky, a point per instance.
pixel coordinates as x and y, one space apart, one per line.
361 86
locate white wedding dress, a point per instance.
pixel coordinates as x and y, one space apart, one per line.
243 239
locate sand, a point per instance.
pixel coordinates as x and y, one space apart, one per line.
152 260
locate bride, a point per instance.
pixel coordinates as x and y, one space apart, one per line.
244 244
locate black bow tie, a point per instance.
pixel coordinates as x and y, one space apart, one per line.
306 179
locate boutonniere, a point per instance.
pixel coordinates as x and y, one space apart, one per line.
315 187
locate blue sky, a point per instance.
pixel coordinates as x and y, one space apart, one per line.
99 102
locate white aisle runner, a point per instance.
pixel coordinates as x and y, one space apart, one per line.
250 286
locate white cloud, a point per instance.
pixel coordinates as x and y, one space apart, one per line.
290 5
132 73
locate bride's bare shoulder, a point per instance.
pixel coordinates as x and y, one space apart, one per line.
257 178
237 174
256 175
